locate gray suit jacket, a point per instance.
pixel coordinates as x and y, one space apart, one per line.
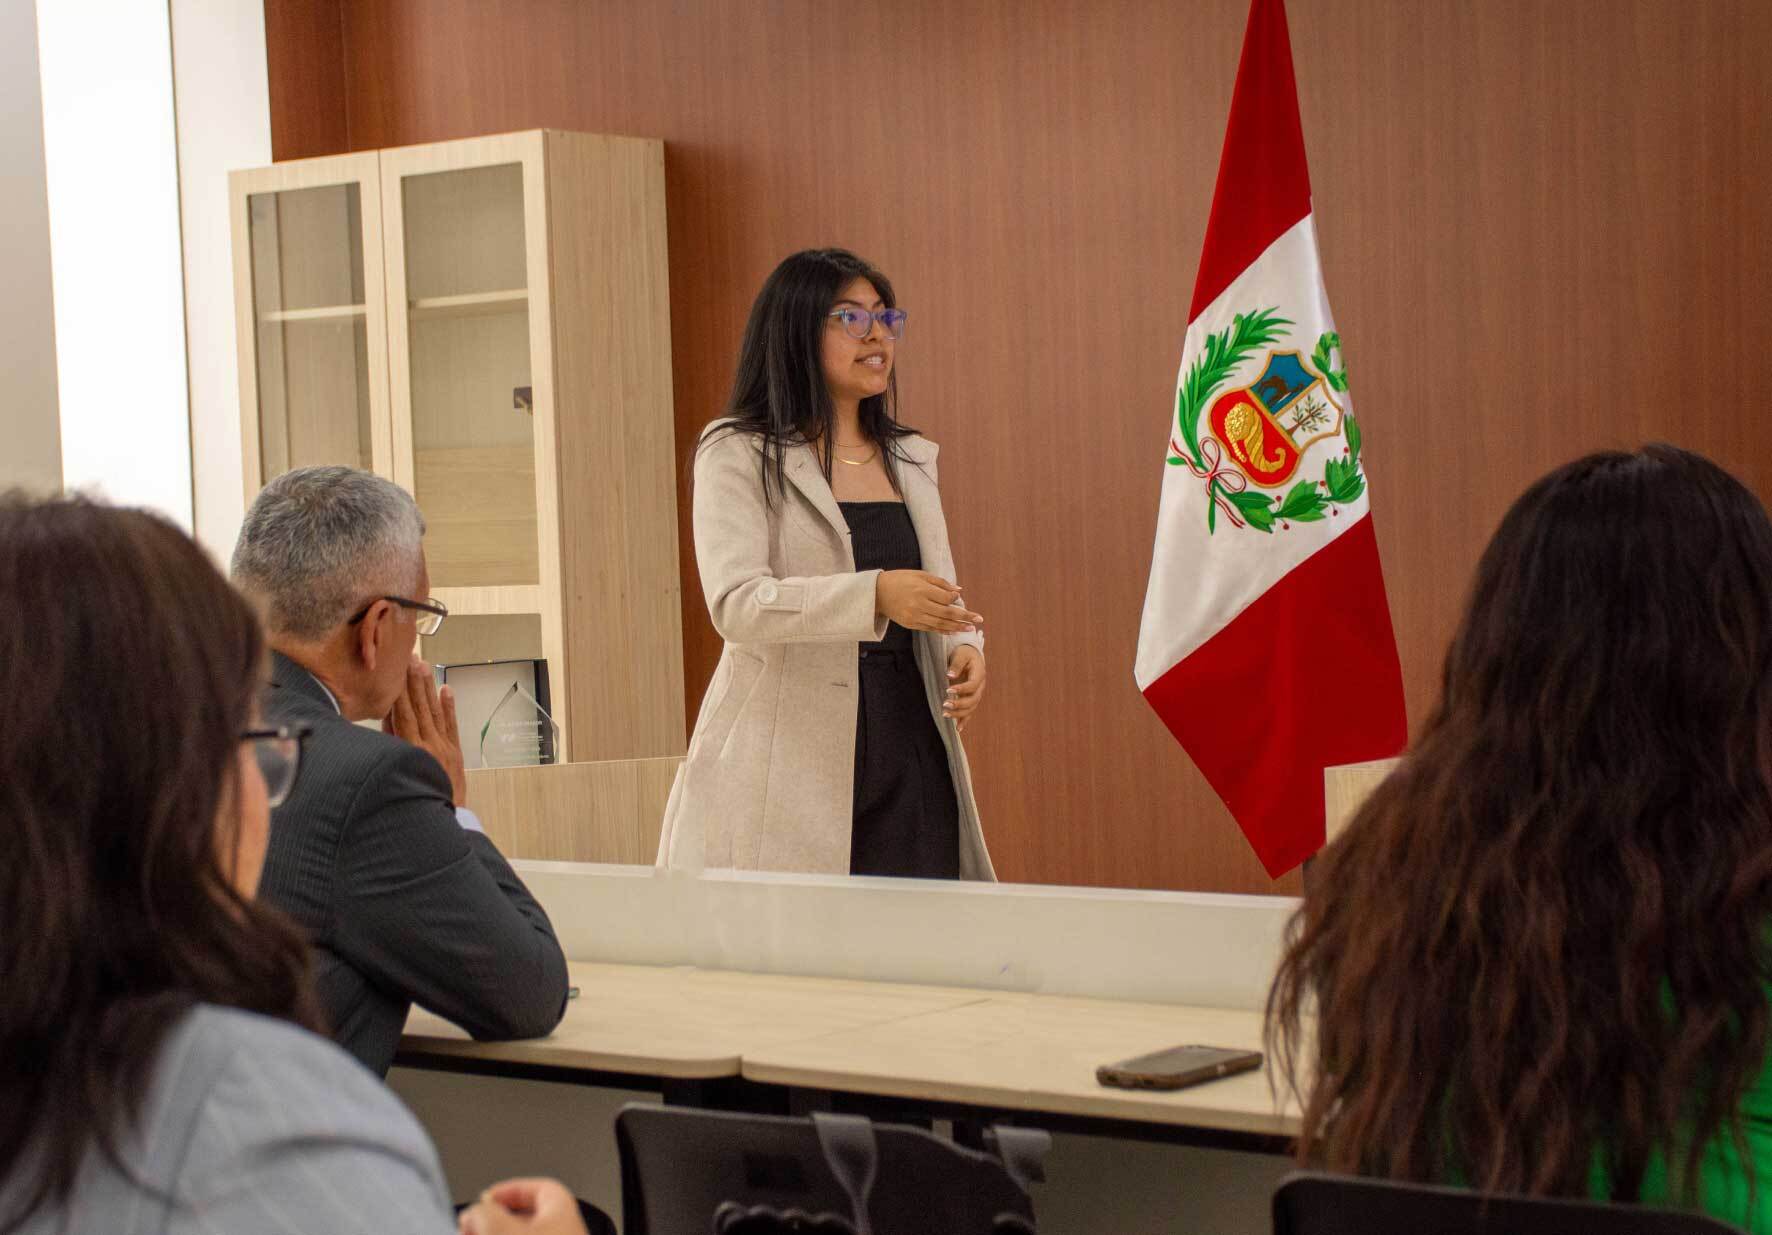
248 1125
402 904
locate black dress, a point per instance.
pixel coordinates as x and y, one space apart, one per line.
907 818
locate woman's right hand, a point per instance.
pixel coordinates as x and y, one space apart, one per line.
523 1207
918 600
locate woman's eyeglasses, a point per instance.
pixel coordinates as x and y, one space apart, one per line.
430 612
278 752
858 322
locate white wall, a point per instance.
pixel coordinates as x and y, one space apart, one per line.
143 109
111 161
30 425
1107 943
224 122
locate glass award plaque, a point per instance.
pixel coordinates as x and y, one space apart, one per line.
502 709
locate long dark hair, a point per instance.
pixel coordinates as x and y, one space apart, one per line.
1540 949
128 668
779 393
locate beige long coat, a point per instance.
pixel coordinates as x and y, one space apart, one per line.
769 780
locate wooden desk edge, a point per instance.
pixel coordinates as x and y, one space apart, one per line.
542 1052
1109 1105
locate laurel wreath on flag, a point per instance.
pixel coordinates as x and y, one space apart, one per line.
1306 501
1328 343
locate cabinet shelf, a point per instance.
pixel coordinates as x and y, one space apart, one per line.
473 304
325 313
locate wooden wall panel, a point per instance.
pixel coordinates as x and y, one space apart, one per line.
306 66
1543 223
608 811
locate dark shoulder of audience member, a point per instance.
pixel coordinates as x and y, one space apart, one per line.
128 669
1538 954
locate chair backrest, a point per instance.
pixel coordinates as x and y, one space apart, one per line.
1312 1203
680 1165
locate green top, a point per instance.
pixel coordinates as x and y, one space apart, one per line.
1722 1180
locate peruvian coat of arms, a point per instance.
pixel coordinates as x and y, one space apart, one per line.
1248 443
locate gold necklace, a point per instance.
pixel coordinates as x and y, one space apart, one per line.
862 462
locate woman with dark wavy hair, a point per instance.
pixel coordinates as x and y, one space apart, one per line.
156 1070
1537 959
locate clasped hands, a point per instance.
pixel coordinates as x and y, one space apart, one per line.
918 600
523 1207
425 717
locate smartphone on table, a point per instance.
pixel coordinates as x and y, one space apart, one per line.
1177 1067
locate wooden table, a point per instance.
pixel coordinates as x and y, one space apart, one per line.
679 1023
1038 1053
819 1043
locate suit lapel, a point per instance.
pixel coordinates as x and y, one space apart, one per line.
808 478
921 498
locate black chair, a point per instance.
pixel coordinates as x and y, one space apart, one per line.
696 1172
1312 1203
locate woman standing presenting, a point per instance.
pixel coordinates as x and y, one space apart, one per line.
828 740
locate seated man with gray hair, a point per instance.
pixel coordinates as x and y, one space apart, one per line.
374 852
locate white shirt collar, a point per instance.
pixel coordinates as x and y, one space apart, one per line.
330 697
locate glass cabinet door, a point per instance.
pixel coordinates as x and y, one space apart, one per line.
470 384
316 343
465 404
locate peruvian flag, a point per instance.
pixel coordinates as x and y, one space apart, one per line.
1266 644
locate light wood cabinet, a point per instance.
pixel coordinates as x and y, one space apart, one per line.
486 322
311 316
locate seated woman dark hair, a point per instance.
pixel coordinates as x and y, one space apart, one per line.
156 1069
1537 959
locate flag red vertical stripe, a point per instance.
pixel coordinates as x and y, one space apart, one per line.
1319 645
1264 186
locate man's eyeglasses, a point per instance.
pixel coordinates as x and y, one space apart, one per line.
858 322
278 751
430 612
